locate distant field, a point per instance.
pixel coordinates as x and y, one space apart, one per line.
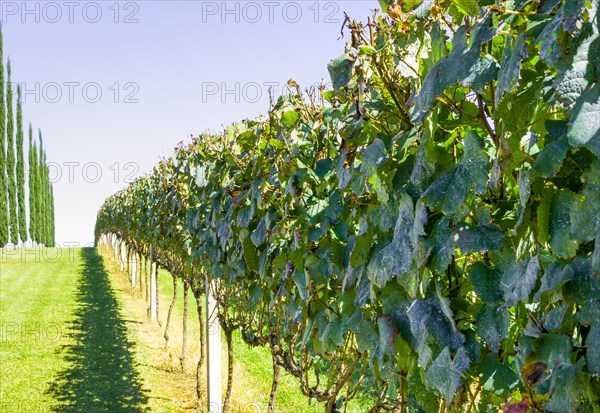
74 338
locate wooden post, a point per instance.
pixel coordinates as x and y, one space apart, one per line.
213 330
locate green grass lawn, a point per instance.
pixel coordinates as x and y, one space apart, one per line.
75 338
37 310
64 344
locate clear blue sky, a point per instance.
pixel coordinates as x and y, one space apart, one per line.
165 70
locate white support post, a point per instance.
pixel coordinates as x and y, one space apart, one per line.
133 268
213 334
153 275
123 255
116 248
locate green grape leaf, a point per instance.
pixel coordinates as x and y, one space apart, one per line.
485 282
379 187
245 215
422 168
385 4
560 224
387 332
554 275
426 400
366 337
449 191
492 325
543 216
524 184
554 318
427 318
583 286
438 44
482 73
584 128
591 176
324 167
565 388
290 118
468 7
475 162
202 176
444 375
593 349
552 349
510 67
224 232
395 303
301 281
577 71
259 235
550 159
340 70
453 69
373 156
331 333
517 278
250 254
550 49
396 257
484 237
383 217
441 245
367 50
498 378
548 5
585 215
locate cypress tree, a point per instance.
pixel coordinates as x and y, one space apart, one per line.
46 219
32 185
22 220
3 183
10 163
46 202
52 238
41 193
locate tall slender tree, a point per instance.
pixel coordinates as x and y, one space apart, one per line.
46 202
3 182
52 237
10 162
21 211
32 185
41 192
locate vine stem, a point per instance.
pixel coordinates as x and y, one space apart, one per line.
274 386
166 335
484 120
184 331
230 360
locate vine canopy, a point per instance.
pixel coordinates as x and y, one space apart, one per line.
426 231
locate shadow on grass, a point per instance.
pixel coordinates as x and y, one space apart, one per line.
101 376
